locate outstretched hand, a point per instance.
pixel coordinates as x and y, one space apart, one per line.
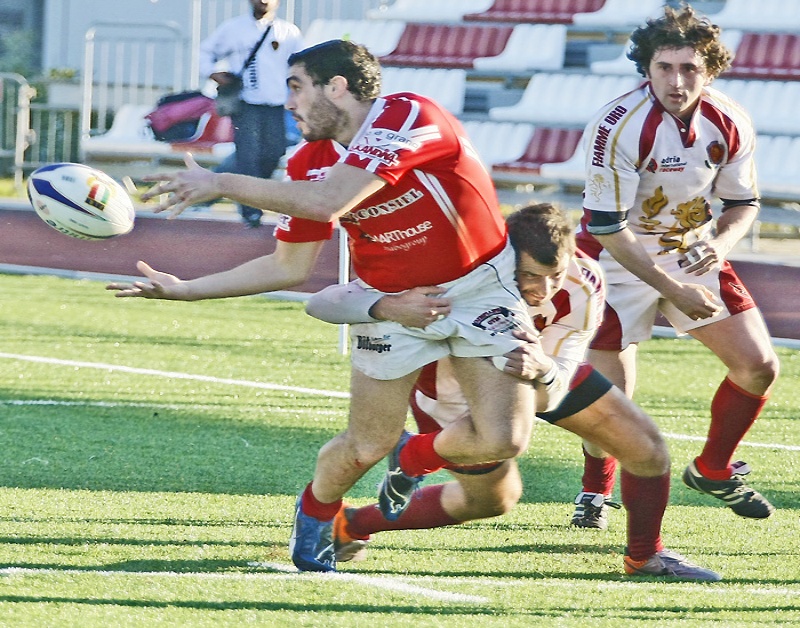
183 188
160 286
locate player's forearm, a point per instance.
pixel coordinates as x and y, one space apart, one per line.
253 277
734 224
302 199
626 249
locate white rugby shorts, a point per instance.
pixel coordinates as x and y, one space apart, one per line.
486 309
632 304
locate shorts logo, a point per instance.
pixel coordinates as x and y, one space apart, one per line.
499 320
379 345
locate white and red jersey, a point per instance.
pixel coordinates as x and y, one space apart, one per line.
436 220
566 325
642 159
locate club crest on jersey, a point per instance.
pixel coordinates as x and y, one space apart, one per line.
716 153
499 320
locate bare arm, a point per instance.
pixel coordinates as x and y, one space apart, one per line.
290 264
694 300
732 226
341 190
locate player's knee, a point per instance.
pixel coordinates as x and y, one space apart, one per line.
367 453
650 457
494 504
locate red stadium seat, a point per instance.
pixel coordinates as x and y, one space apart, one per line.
535 11
212 130
770 56
447 46
547 145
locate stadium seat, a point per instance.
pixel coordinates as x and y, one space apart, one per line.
547 145
764 15
534 11
497 142
771 56
214 139
380 37
428 10
129 136
445 86
447 45
772 105
620 13
778 164
571 172
561 99
530 47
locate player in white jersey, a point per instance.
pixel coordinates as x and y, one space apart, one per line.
656 158
564 292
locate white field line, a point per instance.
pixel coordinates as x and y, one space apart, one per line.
283 571
173 375
265 385
405 584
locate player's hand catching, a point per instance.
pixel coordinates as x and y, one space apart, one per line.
161 286
183 188
417 307
528 361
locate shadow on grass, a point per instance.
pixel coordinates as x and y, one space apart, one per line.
129 448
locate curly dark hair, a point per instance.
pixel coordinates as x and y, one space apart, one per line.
676 29
339 57
542 231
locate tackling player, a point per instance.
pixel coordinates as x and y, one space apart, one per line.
564 291
656 157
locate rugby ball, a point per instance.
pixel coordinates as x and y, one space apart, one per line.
80 201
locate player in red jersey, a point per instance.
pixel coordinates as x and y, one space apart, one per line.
420 209
656 157
564 292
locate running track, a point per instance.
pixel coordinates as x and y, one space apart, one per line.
197 246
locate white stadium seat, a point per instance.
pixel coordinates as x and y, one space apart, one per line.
129 135
498 142
772 105
379 37
620 13
429 10
530 47
447 87
564 99
778 164
760 15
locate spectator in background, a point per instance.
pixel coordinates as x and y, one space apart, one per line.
259 125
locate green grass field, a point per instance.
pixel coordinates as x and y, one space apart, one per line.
152 452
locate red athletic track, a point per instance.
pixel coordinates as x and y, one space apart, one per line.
194 247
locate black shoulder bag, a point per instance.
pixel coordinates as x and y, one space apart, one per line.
228 101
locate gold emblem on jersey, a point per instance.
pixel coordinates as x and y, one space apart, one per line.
688 217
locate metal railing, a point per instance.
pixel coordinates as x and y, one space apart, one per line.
16 134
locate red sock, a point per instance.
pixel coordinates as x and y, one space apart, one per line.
645 500
424 511
598 473
733 411
418 457
312 507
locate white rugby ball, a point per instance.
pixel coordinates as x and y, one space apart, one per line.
80 201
